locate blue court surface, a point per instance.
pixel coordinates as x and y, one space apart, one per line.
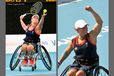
68 13
27 71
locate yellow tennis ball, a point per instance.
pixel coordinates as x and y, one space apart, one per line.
29 43
45 10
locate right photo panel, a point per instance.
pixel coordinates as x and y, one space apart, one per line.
83 37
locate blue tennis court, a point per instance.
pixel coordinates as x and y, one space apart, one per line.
68 13
27 71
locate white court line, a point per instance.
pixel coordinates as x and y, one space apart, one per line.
69 2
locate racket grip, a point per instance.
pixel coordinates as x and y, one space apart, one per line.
24 14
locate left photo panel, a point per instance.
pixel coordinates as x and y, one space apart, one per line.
30 38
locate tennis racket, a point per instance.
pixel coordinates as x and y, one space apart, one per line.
35 8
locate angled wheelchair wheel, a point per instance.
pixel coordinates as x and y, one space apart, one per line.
64 73
15 58
100 71
45 57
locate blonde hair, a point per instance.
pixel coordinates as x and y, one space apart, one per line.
35 15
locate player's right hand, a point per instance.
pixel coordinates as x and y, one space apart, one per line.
22 16
88 8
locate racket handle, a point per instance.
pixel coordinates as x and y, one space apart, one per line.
24 14
30 13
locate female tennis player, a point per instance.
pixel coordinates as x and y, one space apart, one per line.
84 46
33 31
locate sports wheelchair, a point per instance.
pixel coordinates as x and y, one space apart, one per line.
97 71
39 53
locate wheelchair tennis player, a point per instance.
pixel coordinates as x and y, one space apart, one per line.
84 46
33 31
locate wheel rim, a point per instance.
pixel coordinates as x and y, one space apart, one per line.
101 71
15 58
46 61
64 73
45 56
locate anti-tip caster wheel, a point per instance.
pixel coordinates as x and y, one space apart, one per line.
19 68
33 68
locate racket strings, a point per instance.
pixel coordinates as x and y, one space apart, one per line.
36 7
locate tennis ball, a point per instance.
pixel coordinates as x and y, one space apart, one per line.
45 10
29 43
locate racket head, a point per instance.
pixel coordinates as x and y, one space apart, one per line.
36 7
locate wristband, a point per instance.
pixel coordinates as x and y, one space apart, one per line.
24 26
59 63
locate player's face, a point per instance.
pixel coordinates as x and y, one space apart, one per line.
35 20
83 31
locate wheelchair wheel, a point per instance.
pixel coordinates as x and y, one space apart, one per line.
64 73
15 58
44 55
100 71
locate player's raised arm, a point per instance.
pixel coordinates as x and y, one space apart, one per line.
97 28
40 24
22 22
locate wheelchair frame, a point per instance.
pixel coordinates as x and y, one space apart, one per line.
37 51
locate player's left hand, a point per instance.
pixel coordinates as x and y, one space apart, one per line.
44 14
